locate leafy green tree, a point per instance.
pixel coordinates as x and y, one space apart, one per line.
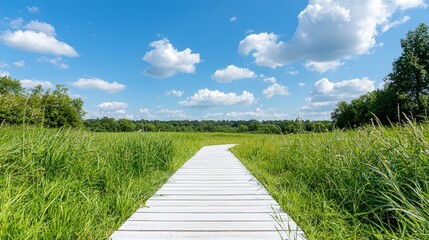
61 110
410 75
9 85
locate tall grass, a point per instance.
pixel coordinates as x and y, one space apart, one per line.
369 183
62 184
71 184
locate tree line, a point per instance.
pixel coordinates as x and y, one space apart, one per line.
405 91
37 106
107 124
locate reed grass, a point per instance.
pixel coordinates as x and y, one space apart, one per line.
371 183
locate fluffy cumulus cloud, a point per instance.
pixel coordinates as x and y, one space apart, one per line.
166 61
38 37
206 98
115 110
232 73
97 83
112 106
20 63
26 83
328 31
174 92
327 94
57 61
275 89
45 28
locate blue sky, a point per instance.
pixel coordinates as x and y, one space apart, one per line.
206 59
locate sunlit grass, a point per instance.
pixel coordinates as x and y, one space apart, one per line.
368 183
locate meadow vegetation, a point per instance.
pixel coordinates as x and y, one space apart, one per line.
360 184
73 184
370 183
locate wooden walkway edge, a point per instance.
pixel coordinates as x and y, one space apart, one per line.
212 196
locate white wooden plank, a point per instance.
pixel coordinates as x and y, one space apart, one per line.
205 226
209 188
155 202
156 235
212 209
212 197
204 217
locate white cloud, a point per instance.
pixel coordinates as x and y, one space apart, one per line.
38 42
264 48
327 94
327 31
58 62
396 23
406 4
166 61
20 63
322 67
258 114
172 114
301 84
117 110
275 89
4 74
33 9
233 19
16 23
146 113
112 106
270 79
232 73
205 98
174 92
32 83
97 83
45 28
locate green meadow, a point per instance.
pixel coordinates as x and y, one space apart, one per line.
72 184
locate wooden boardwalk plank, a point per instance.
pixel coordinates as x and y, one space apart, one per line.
213 196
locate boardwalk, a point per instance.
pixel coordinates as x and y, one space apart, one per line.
213 196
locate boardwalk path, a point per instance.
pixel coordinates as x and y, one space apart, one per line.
213 196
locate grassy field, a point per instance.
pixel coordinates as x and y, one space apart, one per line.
62 184
366 184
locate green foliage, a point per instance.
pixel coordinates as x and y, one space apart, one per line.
38 107
410 76
106 124
370 183
406 90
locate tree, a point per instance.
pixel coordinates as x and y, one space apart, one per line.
10 86
61 110
410 78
